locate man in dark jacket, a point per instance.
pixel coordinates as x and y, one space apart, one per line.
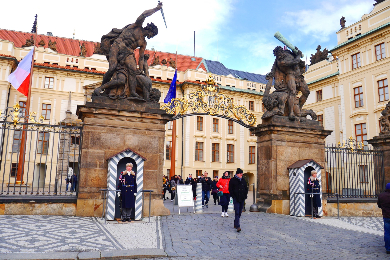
206 187
191 181
238 191
384 204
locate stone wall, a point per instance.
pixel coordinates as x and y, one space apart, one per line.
32 208
330 209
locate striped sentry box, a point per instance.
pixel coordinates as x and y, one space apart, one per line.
297 185
112 177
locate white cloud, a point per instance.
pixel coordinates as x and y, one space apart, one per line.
92 20
321 23
255 50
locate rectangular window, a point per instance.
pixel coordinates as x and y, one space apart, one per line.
215 152
75 140
198 173
230 127
319 95
230 153
17 140
358 96
251 105
361 133
14 169
168 150
215 173
46 110
22 110
356 61
49 82
252 157
199 123
215 125
263 107
168 173
43 142
199 151
170 125
320 118
383 89
363 173
380 52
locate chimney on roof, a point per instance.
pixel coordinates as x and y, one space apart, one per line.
49 34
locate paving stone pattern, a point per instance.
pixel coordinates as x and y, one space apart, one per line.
266 236
43 234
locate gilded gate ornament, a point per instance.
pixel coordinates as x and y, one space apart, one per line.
15 114
208 100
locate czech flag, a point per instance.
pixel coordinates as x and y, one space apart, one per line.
20 78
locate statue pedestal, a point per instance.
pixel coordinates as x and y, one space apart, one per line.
280 143
383 142
112 126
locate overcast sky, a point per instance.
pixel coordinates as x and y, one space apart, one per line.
238 33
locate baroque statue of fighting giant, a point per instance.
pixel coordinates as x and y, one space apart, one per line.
123 78
287 76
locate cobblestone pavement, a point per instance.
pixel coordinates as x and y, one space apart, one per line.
198 236
269 236
41 234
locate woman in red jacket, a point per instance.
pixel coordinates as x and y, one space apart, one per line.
223 185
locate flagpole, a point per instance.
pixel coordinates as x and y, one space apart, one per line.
172 172
19 174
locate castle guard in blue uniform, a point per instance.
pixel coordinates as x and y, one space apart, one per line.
128 186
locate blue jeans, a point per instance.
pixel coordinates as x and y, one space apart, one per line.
238 206
387 233
205 195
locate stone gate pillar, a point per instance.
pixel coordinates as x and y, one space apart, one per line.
382 142
112 126
280 143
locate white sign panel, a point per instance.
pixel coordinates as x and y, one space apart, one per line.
185 196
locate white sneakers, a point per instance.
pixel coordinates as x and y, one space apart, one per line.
224 214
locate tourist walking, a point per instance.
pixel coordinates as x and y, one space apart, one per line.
73 181
384 204
191 181
165 187
206 187
214 190
173 187
223 185
239 192
313 186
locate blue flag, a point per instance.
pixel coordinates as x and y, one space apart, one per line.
172 90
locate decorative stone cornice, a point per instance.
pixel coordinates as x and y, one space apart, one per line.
359 113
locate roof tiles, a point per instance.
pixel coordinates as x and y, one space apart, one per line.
64 45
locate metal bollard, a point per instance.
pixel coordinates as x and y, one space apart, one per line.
254 207
230 206
198 202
